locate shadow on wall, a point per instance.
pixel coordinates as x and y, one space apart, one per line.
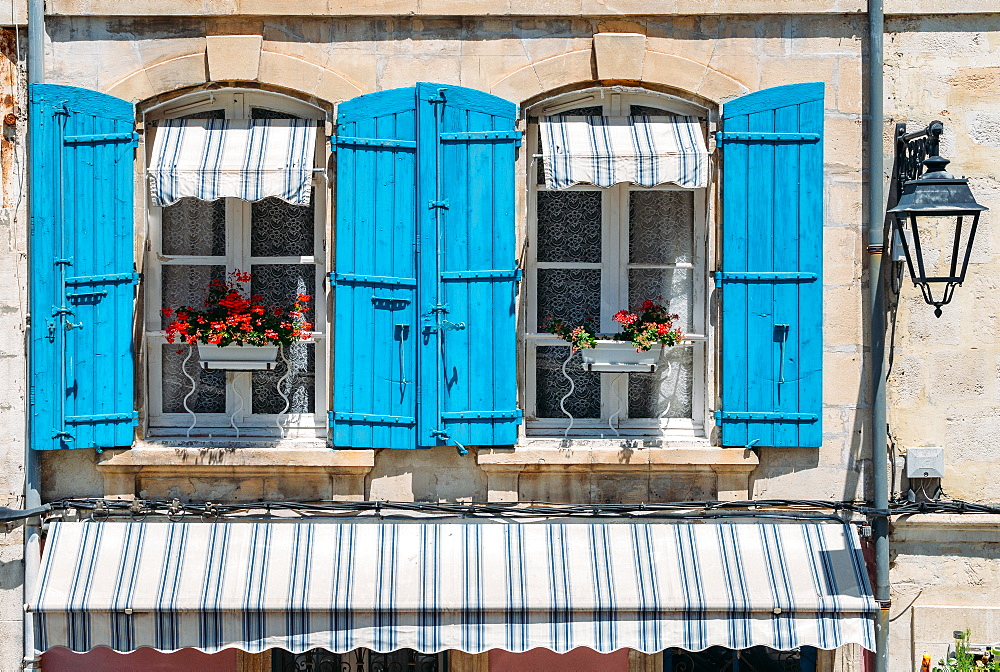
426 475
69 473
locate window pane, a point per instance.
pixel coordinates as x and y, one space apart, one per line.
673 287
187 285
569 294
665 393
551 385
661 227
299 387
195 227
636 110
209 390
280 229
590 111
264 113
569 226
280 283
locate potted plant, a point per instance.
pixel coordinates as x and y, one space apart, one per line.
631 349
966 657
236 332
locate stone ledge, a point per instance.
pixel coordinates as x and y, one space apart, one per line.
308 471
602 454
938 528
311 456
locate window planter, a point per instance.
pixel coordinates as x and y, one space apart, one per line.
235 357
619 356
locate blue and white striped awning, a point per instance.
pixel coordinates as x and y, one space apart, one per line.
605 151
432 586
249 159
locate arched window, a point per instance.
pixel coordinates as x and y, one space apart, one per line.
283 246
592 251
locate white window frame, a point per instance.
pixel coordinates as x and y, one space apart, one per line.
237 105
616 101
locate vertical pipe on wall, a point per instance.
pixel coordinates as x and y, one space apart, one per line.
876 245
32 498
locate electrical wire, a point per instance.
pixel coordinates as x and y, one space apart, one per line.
773 509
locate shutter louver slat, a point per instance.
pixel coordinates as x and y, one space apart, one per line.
771 387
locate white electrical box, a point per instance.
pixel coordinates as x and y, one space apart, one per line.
925 462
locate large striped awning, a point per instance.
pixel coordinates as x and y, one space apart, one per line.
432 586
249 159
605 151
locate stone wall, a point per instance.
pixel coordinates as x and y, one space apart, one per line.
13 316
710 59
944 388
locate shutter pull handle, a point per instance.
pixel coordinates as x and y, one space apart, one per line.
781 336
70 326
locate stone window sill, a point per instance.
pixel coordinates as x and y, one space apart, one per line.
504 466
129 473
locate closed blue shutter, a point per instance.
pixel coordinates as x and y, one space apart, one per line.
772 268
473 139
375 324
425 334
82 269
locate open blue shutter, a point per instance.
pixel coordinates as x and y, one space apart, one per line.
82 269
472 140
375 324
772 268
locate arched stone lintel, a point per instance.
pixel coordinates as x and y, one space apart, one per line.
279 70
659 68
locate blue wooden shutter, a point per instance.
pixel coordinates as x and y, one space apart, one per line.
468 140
375 324
82 269
772 268
425 334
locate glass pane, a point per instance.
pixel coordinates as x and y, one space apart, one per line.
264 113
551 385
637 110
299 387
569 294
665 393
589 111
206 114
673 287
187 285
280 283
661 227
195 227
208 392
280 229
569 226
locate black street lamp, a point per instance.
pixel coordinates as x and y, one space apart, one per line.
931 222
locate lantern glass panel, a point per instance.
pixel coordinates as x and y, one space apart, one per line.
939 245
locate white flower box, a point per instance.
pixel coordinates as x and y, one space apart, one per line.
235 357
619 356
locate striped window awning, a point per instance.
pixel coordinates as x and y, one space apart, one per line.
432 586
249 159
605 151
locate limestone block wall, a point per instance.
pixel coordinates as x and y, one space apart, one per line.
944 386
13 316
710 58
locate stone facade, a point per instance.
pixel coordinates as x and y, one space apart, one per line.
13 317
944 387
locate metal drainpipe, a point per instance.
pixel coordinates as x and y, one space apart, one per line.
876 244
32 531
